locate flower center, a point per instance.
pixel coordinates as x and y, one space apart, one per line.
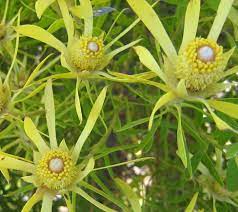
56 165
200 64
206 54
93 46
86 53
56 170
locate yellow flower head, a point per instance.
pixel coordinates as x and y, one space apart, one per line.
86 53
81 54
56 170
200 64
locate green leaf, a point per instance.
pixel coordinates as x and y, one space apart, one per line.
130 194
192 203
92 200
231 175
228 108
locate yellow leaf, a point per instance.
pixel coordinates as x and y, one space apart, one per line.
85 11
181 89
37 196
42 35
113 53
221 125
47 202
222 13
41 6
147 15
34 135
122 34
84 173
50 113
68 20
92 200
192 204
5 173
35 72
228 108
92 118
148 60
191 22
8 162
166 98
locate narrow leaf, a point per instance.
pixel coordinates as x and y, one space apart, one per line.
147 15
50 113
92 118
222 13
191 22
130 194
148 60
41 6
42 35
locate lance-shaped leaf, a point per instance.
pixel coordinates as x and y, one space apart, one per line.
37 196
191 22
192 203
147 15
41 6
181 142
68 20
8 162
166 98
221 125
222 13
92 118
34 135
42 35
148 61
130 194
36 71
47 202
50 113
228 108
85 11
92 200
84 173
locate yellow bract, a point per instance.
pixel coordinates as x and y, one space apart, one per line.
200 64
56 170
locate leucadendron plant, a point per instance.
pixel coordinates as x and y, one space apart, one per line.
83 55
55 168
58 169
196 72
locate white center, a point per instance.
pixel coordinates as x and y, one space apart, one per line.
56 165
93 46
206 53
